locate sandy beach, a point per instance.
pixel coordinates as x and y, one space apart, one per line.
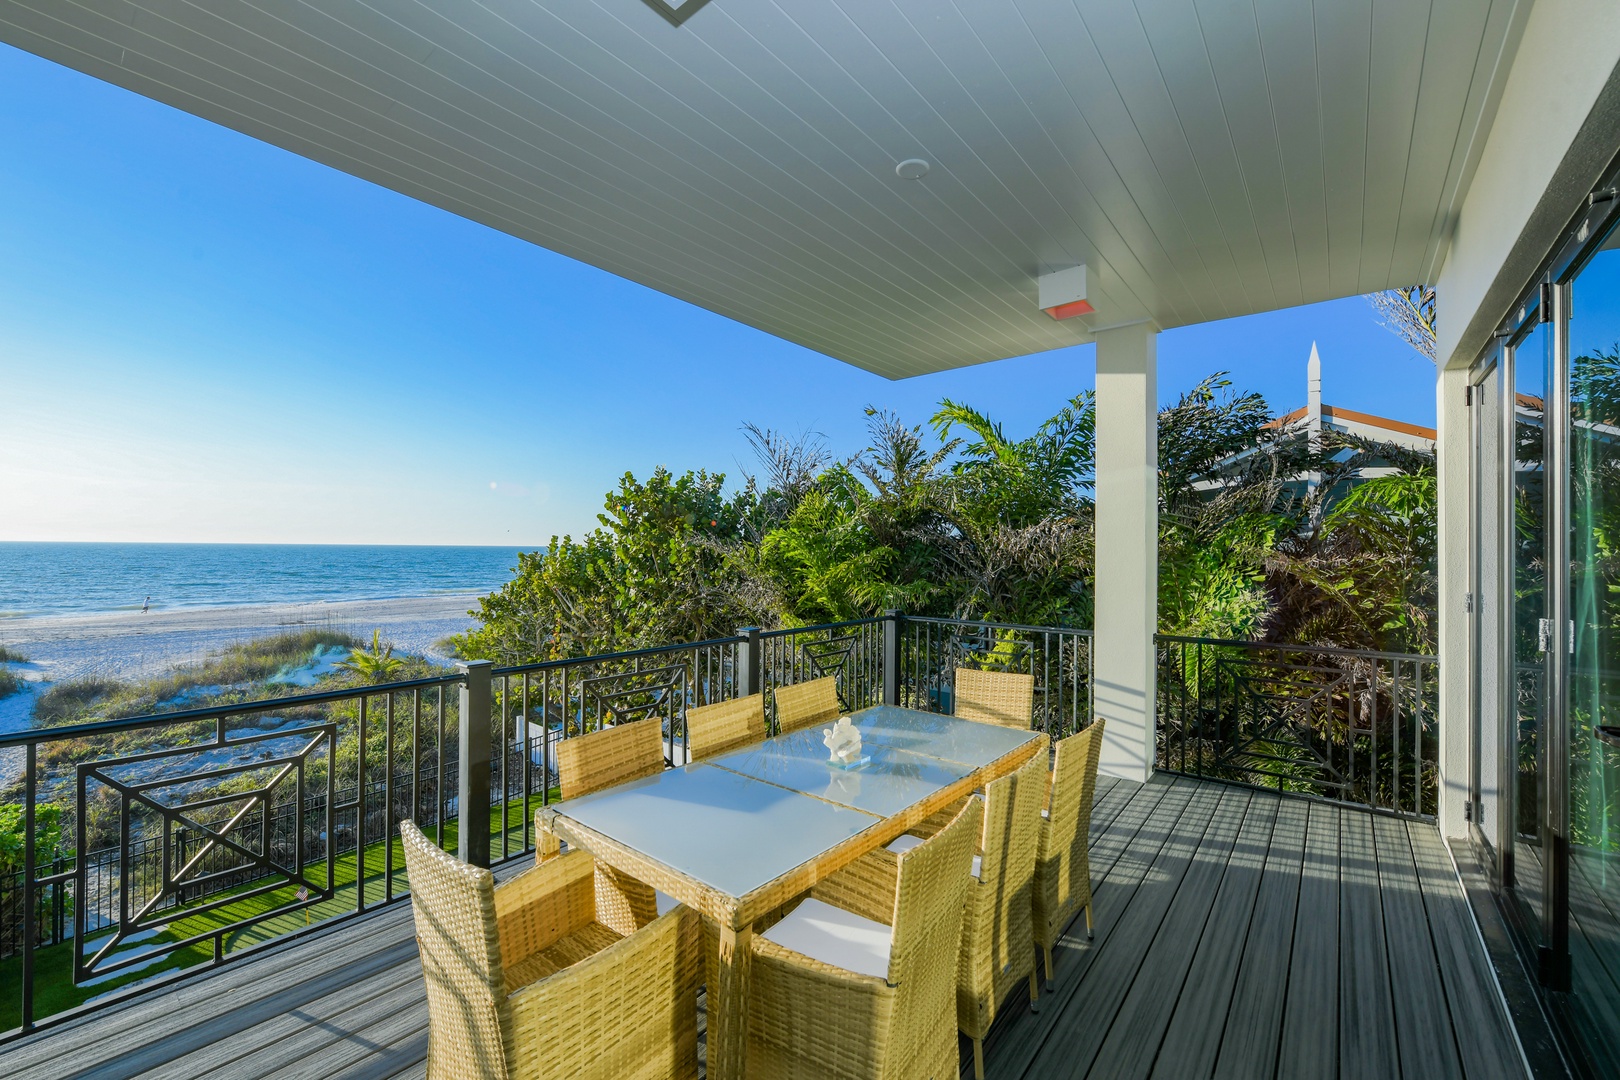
130 645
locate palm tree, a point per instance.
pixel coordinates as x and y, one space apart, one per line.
379 664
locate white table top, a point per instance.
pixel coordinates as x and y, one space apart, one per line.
742 820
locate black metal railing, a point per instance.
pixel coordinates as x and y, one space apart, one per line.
930 651
1354 726
209 832
849 652
205 832
534 706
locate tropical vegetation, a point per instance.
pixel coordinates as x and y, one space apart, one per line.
1263 535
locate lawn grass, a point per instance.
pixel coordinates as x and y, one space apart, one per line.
54 991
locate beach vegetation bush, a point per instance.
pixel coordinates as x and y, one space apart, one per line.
10 681
378 664
656 570
48 837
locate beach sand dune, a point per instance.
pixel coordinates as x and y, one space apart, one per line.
132 645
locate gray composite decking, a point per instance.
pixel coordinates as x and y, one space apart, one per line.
1239 934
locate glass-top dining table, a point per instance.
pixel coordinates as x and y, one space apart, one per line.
738 835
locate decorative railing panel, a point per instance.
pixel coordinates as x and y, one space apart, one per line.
1357 727
210 792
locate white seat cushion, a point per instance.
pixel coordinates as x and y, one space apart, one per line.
835 936
907 842
666 904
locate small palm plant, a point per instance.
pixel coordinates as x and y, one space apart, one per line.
378 664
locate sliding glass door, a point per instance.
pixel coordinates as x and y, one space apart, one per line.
1544 625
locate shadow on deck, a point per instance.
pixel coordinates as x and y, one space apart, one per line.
1239 934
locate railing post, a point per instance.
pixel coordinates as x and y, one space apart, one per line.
472 830
749 662
891 656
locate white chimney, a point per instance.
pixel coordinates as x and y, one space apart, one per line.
1313 423
1313 396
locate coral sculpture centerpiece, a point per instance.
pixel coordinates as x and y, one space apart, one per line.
843 744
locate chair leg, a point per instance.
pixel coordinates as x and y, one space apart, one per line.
1049 968
1089 935
1034 992
978 1059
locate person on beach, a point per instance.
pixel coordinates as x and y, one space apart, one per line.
146 606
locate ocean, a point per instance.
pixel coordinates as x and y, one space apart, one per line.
75 579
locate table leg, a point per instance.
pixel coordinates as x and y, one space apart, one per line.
728 1016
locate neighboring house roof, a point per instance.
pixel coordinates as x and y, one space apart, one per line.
1349 419
1317 417
1313 418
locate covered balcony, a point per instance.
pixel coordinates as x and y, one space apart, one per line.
1282 836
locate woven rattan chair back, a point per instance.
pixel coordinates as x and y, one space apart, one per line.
614 755
525 981
995 697
929 899
454 907
998 939
805 704
1063 866
729 725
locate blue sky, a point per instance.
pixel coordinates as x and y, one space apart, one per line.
205 338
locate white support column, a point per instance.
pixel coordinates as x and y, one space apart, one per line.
1127 552
1452 636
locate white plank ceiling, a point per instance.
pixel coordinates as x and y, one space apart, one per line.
1204 158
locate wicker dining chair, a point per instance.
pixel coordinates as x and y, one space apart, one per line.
1063 864
524 981
995 697
717 729
998 935
603 759
587 763
998 932
805 704
835 995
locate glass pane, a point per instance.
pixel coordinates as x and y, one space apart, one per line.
1594 699
890 782
944 737
1530 626
729 831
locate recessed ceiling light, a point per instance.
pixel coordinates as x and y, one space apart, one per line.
911 169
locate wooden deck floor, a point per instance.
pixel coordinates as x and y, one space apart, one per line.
1239 934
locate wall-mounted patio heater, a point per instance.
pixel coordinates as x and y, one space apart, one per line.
1063 293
